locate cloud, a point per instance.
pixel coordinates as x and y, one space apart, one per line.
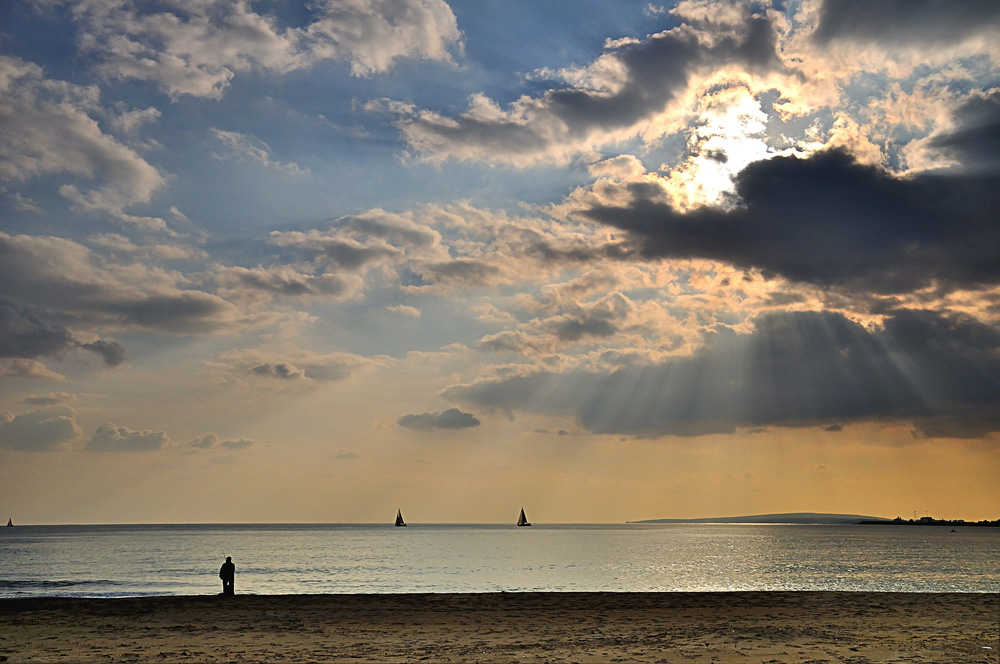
890 21
405 310
577 322
460 270
940 372
452 418
247 148
24 334
282 370
50 399
624 93
284 280
800 67
210 441
60 276
178 311
356 242
40 430
119 244
345 455
197 48
372 34
974 144
111 351
21 368
113 438
830 221
342 255
294 367
46 128
433 249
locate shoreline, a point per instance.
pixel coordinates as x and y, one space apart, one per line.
771 626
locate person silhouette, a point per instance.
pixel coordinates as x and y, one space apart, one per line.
228 575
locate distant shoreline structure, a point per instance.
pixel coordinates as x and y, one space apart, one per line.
931 521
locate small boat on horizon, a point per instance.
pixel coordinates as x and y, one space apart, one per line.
10 523
399 518
522 520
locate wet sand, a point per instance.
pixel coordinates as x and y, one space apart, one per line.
767 627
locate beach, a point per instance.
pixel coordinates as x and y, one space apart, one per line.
774 627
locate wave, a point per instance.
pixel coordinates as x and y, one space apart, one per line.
43 584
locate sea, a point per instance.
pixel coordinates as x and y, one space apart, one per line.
145 560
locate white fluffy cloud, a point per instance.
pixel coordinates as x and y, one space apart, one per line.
48 127
195 48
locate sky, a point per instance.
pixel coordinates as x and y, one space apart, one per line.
317 261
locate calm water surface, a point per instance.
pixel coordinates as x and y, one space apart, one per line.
279 559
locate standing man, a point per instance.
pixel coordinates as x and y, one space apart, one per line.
228 576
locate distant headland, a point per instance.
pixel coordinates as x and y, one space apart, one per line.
804 518
817 518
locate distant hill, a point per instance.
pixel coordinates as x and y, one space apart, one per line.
793 517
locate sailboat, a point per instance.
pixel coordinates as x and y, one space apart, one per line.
399 518
10 523
522 520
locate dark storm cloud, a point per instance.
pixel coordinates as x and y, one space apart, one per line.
976 143
449 419
113 438
38 431
25 334
830 221
942 373
926 21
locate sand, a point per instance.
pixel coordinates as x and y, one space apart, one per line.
771 627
